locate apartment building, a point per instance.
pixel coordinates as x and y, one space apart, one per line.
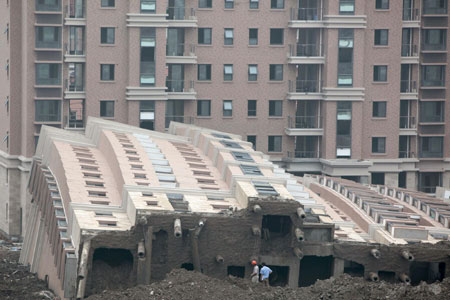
348 88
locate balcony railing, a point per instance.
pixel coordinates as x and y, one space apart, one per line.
179 86
406 154
75 9
433 83
343 141
434 10
75 123
48 44
304 154
305 122
48 81
180 49
306 14
408 86
407 122
180 13
432 119
305 86
409 50
431 154
411 14
179 119
305 50
427 189
434 47
74 86
48 5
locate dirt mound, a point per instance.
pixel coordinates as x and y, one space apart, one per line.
182 284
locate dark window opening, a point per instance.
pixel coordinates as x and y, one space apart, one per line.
426 271
402 180
160 252
236 271
275 226
314 268
279 276
187 266
386 276
378 178
353 269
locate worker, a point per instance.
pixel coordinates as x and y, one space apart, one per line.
254 275
265 273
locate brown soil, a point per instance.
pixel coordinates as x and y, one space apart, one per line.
182 284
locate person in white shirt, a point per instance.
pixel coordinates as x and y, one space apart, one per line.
254 275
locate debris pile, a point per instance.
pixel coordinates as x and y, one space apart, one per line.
182 284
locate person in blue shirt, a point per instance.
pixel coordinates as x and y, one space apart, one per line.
265 273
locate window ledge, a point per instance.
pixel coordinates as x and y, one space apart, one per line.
380 46
276 117
229 9
252 81
107 45
277 46
380 82
227 81
107 8
203 81
253 46
204 9
379 118
223 117
107 81
204 45
107 118
275 81
378 154
252 117
228 46
275 152
204 117
277 9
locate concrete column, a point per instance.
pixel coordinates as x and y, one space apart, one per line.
338 267
148 255
411 180
446 180
391 179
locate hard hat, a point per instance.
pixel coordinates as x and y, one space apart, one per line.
253 262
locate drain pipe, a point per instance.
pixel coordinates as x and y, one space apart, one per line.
404 278
301 213
177 228
194 233
299 234
373 277
407 255
257 209
256 231
375 253
219 259
141 249
82 271
298 253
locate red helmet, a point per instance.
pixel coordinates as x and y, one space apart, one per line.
253 262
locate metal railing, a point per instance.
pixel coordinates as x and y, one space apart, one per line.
409 50
408 86
411 14
48 6
48 81
305 122
180 50
432 83
343 141
407 122
305 86
74 86
432 119
76 50
179 86
427 189
48 44
431 154
305 50
74 123
434 47
305 14
75 9
434 10
406 154
180 13
304 154
179 119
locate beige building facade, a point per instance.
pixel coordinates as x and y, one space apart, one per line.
347 88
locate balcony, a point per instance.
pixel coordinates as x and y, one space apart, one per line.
304 154
433 84
411 18
75 9
434 47
304 126
408 126
435 11
48 45
181 54
406 154
305 90
179 119
408 90
181 17
56 81
306 54
432 120
53 6
305 18
180 89
410 54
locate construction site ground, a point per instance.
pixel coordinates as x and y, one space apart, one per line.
17 283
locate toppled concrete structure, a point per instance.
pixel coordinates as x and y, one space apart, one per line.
121 206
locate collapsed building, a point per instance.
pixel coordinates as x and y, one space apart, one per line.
119 206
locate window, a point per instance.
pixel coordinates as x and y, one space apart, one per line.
48 5
242 156
432 111
345 57
276 36
148 6
147 114
254 4
204 3
252 72
108 3
275 108
228 36
378 145
47 110
204 72
229 4
274 143
250 170
346 7
379 109
230 144
107 72
434 39
252 139
204 108
382 4
48 74
107 109
265 188
381 37
204 36
433 75
227 72
251 108
379 73
48 37
107 35
147 59
276 4
227 108
276 72
435 7
253 36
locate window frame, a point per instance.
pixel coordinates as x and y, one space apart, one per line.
252 76
201 33
274 147
378 40
205 4
254 39
228 76
227 112
272 37
273 70
381 4
228 4
275 108
104 37
200 107
377 73
254 111
207 68
107 3
227 40
275 4
380 148
376 109
252 4
48 116
111 72
105 109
